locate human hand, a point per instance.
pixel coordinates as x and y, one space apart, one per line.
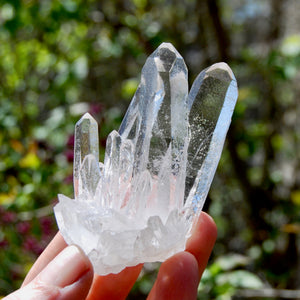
64 272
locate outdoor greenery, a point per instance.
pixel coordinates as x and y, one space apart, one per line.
60 59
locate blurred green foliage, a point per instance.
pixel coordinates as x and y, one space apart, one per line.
59 59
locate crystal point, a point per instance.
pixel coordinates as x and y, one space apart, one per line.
139 205
86 142
213 94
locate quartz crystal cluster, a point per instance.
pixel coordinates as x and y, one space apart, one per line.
139 205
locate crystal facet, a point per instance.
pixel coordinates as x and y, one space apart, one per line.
139 205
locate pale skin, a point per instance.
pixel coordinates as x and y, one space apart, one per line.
64 272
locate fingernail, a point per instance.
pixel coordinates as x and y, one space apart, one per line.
66 268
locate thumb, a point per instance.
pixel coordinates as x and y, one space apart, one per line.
68 276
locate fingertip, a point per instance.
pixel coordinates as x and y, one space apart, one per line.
202 240
206 220
114 286
204 232
178 278
182 266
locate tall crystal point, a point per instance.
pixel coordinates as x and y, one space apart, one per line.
139 205
211 103
156 122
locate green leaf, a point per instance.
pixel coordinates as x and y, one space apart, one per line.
240 279
231 261
291 45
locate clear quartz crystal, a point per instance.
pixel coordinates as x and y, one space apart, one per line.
86 142
139 205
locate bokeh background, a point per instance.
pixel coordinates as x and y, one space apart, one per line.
60 59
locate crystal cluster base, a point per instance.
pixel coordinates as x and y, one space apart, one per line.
139 205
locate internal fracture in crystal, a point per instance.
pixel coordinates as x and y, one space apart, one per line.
139 205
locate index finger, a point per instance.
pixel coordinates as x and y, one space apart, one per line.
53 249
